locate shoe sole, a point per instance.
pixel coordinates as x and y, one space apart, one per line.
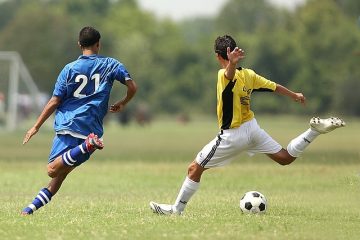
335 123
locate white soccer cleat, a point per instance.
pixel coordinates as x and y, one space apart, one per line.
163 209
326 125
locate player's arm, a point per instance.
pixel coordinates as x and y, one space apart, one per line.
297 97
234 57
131 90
50 107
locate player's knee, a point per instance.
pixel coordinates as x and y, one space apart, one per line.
286 160
195 171
282 157
192 168
51 171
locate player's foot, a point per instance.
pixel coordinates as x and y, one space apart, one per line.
27 211
93 142
326 125
163 209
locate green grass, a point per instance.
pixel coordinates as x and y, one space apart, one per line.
316 197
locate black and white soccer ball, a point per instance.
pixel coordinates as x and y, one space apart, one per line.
253 202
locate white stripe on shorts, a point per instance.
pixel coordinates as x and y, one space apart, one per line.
230 143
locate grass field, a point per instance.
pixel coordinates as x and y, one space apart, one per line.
316 197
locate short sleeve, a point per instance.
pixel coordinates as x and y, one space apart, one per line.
60 85
121 74
262 84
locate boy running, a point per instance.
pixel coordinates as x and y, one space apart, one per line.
80 102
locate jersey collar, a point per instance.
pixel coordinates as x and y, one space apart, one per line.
92 56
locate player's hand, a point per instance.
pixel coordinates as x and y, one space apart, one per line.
235 55
117 107
299 97
32 131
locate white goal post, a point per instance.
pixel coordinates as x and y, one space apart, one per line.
18 71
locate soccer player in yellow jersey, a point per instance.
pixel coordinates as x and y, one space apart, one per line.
239 130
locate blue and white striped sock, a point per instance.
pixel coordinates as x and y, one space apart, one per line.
72 156
43 198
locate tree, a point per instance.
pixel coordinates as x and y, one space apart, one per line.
327 38
350 7
246 16
7 11
45 42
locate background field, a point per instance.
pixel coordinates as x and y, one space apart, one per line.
317 197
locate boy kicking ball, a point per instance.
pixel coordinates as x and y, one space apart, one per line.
239 130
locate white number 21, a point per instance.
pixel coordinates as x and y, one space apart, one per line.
84 80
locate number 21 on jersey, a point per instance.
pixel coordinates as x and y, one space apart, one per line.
83 80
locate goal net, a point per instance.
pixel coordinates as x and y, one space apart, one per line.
19 95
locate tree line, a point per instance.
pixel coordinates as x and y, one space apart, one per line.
314 49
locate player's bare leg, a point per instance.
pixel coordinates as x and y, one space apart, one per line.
46 194
55 183
282 157
67 160
57 167
60 168
195 171
297 145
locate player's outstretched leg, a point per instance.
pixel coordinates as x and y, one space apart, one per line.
91 143
317 126
326 125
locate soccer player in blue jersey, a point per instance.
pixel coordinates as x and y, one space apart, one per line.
239 131
80 102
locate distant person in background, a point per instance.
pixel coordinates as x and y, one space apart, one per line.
124 117
25 103
239 130
143 114
80 102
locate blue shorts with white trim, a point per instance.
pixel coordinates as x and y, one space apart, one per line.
63 143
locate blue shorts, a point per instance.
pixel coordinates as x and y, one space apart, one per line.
63 143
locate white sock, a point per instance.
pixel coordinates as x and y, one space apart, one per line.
298 144
188 189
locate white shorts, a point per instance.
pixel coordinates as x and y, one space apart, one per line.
229 143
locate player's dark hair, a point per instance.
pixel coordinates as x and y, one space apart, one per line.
88 36
222 43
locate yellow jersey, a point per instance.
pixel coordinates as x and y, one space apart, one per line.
233 96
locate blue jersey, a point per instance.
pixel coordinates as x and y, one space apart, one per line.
84 88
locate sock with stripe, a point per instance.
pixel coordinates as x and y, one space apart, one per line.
73 155
187 190
298 144
43 198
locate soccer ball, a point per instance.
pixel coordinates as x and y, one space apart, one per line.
253 202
